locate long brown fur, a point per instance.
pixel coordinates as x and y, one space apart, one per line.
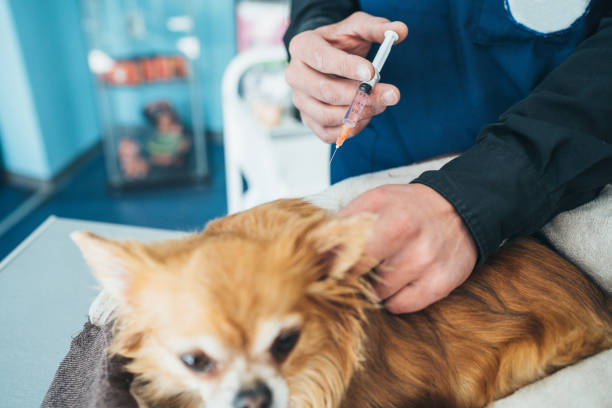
523 315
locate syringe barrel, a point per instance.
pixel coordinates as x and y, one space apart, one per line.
384 50
357 105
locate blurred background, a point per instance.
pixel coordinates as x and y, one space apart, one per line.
157 113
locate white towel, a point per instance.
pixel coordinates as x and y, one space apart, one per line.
584 236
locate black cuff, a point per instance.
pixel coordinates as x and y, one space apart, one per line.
439 182
496 191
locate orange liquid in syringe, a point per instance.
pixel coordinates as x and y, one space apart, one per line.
357 105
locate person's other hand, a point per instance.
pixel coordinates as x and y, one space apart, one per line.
326 67
423 247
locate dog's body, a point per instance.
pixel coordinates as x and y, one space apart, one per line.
523 315
239 292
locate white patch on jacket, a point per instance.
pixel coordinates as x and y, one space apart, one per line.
546 16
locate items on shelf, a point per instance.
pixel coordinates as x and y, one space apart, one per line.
166 146
135 71
145 58
134 166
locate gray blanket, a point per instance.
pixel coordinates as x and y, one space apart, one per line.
86 378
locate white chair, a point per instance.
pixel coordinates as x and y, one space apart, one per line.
286 161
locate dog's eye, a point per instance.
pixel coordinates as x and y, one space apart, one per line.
198 361
283 344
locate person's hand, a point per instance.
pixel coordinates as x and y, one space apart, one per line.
326 67
423 247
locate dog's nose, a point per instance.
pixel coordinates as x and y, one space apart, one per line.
258 396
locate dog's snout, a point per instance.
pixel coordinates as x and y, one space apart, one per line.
258 396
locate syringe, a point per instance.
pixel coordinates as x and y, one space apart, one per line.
365 88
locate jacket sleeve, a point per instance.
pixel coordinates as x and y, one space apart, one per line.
549 153
311 14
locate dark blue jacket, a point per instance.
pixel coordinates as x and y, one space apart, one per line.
464 64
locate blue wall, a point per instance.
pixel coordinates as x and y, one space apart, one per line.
216 28
47 105
47 72
22 148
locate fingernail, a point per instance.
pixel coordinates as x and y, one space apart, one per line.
364 73
390 97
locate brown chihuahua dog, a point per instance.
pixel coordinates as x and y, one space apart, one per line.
265 309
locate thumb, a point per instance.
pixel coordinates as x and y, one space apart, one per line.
372 28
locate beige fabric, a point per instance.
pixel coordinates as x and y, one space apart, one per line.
584 235
584 385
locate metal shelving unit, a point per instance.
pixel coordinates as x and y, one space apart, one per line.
145 57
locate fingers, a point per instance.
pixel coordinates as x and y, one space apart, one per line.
373 28
310 48
323 76
330 134
404 266
328 115
327 135
391 281
323 100
384 94
323 49
323 114
335 91
424 247
418 295
409 299
398 227
369 28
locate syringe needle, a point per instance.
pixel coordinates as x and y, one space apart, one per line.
332 158
344 132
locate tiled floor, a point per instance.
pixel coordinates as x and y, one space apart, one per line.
85 197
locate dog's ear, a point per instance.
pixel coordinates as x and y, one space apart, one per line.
110 261
340 244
